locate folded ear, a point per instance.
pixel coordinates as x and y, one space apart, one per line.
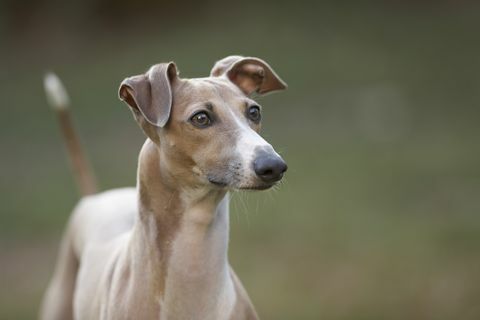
150 94
251 75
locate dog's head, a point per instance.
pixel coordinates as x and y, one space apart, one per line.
206 129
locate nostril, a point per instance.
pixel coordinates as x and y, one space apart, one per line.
267 172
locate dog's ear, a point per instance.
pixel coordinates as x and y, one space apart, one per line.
251 75
150 94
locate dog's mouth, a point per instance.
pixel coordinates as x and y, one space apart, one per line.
217 183
249 187
257 188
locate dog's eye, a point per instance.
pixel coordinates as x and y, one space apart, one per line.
201 119
253 113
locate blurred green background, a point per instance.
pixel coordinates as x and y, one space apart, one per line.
379 216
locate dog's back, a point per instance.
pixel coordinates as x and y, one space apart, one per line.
98 227
102 217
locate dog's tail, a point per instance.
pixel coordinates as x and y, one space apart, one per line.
58 99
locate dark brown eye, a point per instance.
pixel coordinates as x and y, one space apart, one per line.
253 113
201 119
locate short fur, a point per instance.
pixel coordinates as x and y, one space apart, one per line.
160 251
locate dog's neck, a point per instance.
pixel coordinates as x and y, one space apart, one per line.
181 241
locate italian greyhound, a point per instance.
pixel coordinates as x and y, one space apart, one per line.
159 251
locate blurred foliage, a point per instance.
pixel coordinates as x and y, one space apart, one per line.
379 215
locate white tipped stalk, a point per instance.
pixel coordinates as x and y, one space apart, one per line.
57 96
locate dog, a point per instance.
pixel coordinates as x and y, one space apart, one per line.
159 251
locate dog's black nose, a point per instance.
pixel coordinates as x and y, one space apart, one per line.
269 167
